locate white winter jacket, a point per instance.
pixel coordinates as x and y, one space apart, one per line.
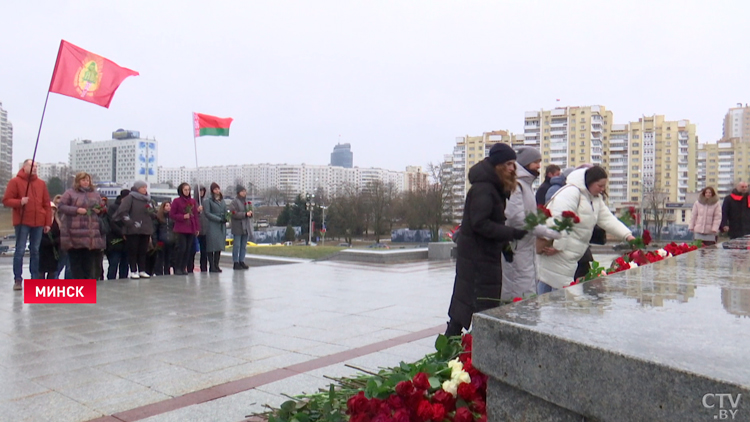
558 270
519 276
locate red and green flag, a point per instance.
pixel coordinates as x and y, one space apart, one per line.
205 125
86 76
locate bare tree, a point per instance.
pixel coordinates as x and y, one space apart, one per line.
654 205
431 205
379 200
344 216
273 195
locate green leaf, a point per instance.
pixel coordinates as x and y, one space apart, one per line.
434 382
301 417
405 367
441 342
289 406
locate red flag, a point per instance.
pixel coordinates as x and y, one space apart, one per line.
86 76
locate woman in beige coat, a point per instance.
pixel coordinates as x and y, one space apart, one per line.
706 217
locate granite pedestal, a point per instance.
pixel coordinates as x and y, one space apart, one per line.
438 251
669 341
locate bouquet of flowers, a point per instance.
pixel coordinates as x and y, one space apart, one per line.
189 209
97 207
543 217
641 241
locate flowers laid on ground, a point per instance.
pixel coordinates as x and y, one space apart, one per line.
443 386
639 257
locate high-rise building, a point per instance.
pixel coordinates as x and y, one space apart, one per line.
6 150
342 156
47 170
737 123
414 179
291 179
569 136
722 164
122 160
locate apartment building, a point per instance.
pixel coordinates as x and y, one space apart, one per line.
569 136
291 179
124 159
737 123
6 150
723 163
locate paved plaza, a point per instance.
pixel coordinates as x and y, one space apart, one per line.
213 347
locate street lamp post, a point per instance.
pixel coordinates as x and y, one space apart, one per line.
323 227
310 200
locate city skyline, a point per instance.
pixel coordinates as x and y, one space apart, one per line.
406 77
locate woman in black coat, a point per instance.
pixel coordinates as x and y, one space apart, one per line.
482 238
49 249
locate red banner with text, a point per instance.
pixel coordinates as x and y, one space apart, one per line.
59 291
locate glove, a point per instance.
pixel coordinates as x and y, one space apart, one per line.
545 232
519 234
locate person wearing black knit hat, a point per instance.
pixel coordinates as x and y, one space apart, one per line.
483 237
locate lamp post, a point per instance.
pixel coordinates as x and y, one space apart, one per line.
310 199
323 226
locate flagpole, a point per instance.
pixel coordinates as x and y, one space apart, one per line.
197 169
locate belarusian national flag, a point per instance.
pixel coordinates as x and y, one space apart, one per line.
86 76
206 125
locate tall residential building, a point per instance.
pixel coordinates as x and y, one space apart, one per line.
414 179
663 157
6 150
470 150
291 179
47 170
568 136
737 123
124 159
722 164
342 156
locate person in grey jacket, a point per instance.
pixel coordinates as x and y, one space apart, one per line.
216 230
200 193
137 212
242 227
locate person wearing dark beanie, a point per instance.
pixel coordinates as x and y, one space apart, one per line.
483 238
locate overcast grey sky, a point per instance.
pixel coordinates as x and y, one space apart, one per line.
399 80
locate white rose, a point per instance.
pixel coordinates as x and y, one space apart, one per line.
633 265
662 253
451 387
460 377
455 365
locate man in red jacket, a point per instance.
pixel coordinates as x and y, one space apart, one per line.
28 196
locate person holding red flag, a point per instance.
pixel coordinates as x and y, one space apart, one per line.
28 196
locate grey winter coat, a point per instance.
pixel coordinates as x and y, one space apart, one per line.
202 217
216 230
519 276
136 212
241 223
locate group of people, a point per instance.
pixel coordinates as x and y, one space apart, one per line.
139 237
500 259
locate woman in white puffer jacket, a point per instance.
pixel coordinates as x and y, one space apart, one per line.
582 194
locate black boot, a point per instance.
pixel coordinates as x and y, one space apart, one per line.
454 329
243 265
211 263
236 266
217 257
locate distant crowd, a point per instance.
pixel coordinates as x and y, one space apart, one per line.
71 234
501 258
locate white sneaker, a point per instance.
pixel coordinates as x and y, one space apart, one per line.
144 274
134 276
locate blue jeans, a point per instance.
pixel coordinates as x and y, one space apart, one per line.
542 288
34 237
63 262
239 248
118 263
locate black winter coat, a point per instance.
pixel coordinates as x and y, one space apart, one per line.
482 237
735 213
115 240
542 192
48 248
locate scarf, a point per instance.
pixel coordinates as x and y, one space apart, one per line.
142 197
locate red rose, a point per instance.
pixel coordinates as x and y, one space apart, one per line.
401 415
382 417
467 341
573 283
646 237
544 210
470 369
517 299
357 404
405 389
374 405
568 214
159 244
466 391
360 417
463 415
576 220
438 412
424 410
446 399
421 381
479 406
396 402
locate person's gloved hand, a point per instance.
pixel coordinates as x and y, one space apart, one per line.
545 232
519 234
